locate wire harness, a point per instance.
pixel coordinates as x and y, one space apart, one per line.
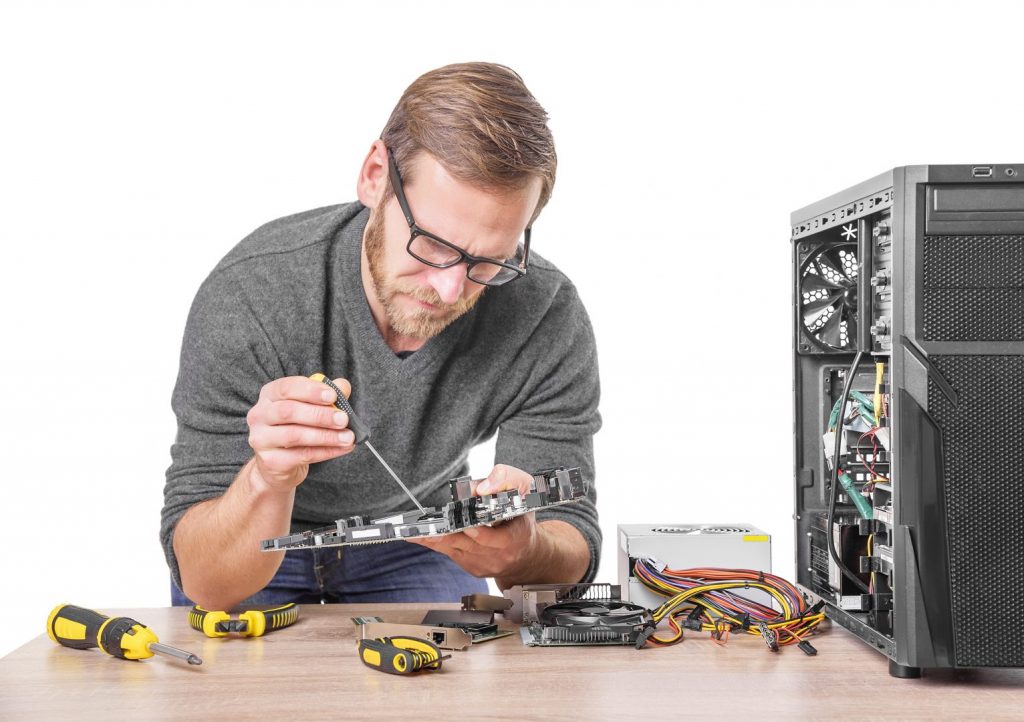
712 600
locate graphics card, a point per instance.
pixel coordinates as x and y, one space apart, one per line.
559 615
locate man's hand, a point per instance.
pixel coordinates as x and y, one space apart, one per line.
517 551
294 424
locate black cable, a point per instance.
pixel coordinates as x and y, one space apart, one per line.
847 387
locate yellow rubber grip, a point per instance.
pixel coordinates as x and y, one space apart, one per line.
205 621
283 616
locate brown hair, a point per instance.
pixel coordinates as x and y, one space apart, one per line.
481 124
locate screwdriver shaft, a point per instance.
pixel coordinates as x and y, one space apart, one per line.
383 463
174 652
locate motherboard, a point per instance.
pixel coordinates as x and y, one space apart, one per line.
551 487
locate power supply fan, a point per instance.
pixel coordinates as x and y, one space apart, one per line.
594 615
828 296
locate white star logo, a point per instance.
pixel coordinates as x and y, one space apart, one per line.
849 232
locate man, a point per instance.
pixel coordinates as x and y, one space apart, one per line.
444 328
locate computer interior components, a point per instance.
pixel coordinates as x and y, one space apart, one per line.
529 600
686 546
443 637
589 622
908 327
551 487
485 603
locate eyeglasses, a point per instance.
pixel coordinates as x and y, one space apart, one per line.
434 251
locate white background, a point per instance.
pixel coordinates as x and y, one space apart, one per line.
140 141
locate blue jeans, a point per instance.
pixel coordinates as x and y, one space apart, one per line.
391 572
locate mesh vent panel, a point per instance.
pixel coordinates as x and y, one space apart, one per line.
973 288
983 466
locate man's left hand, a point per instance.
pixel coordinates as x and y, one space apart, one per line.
504 551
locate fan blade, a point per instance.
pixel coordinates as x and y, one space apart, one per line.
812 282
829 333
851 323
832 258
814 307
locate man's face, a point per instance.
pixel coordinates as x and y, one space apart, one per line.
419 300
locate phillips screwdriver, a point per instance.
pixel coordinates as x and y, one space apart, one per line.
362 435
123 637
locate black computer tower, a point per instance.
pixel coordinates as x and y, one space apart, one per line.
915 537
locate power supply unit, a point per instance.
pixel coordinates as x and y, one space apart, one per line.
691 546
908 310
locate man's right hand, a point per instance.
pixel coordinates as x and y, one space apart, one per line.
294 424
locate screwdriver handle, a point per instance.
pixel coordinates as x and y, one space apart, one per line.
359 429
400 655
205 621
281 617
75 627
81 628
254 623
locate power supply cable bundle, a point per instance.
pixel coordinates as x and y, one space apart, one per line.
711 600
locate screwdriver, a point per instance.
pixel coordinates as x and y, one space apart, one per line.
400 655
362 435
123 637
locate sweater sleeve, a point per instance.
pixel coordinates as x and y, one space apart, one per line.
226 358
558 417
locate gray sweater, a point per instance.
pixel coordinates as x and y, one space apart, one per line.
288 300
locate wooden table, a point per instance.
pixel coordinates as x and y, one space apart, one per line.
310 671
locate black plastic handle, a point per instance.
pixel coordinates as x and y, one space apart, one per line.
359 429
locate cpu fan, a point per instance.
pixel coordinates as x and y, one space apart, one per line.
615 617
828 296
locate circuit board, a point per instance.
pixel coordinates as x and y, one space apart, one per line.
549 488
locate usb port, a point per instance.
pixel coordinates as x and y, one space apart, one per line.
982 171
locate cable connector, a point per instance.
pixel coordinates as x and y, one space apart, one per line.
807 647
693 620
655 564
745 621
769 635
642 638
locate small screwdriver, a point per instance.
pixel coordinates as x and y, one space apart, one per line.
362 434
123 637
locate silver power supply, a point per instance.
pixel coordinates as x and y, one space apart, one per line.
688 546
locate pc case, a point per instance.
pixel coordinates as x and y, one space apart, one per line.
921 271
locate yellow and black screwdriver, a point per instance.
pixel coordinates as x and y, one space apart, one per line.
361 432
400 655
123 637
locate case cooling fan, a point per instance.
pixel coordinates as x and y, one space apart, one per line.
828 297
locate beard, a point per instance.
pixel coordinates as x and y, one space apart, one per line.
421 323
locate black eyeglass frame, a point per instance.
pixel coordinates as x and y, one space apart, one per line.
468 259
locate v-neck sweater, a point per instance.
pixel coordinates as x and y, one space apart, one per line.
289 301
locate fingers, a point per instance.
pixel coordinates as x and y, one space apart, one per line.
300 388
345 386
295 423
444 544
264 436
504 478
509 535
298 412
281 462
